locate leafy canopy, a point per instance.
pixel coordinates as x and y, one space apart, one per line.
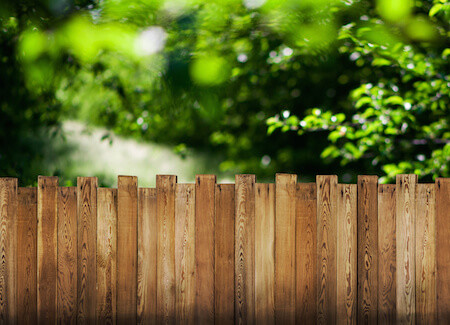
363 86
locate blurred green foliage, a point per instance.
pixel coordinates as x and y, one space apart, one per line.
362 85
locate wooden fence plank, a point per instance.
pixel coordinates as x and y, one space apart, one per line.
67 255
406 241
8 245
265 253
425 254
185 253
347 254
367 249
245 249
224 254
87 249
106 255
165 209
286 186
127 206
26 255
386 254
442 186
204 248
306 254
46 249
147 242
326 248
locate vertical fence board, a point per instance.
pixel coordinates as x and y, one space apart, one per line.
165 209
286 186
26 256
405 237
8 242
347 254
306 254
367 249
127 207
265 253
245 249
147 242
386 254
224 254
442 186
67 255
46 249
425 254
204 248
87 248
185 253
106 255
326 248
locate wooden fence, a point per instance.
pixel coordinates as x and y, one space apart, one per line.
208 253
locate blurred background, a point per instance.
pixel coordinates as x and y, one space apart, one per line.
139 87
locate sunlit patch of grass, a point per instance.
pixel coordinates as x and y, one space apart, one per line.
93 154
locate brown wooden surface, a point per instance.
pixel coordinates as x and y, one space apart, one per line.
87 249
8 245
67 255
442 249
46 249
147 242
224 254
265 253
185 253
306 254
367 249
406 241
286 186
165 209
127 206
106 255
244 305
204 248
386 254
347 254
326 248
257 246
425 254
26 255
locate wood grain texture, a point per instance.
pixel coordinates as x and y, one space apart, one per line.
265 253
425 254
386 254
8 245
326 248
67 255
367 249
204 248
406 241
244 305
27 256
86 249
147 241
127 215
165 209
185 253
286 187
442 188
224 254
46 249
306 254
106 255
347 254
